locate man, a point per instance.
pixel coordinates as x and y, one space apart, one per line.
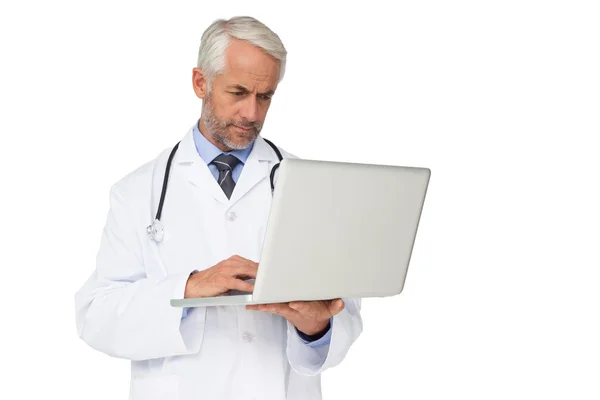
215 214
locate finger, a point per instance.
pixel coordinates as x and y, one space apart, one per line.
272 308
237 284
285 311
299 305
245 270
242 264
239 259
282 309
318 309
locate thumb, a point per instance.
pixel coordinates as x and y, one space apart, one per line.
337 306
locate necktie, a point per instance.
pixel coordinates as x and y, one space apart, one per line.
225 164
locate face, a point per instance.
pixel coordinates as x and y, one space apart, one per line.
234 112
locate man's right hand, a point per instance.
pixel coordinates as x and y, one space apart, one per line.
227 275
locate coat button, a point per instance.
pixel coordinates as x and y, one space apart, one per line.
231 216
247 337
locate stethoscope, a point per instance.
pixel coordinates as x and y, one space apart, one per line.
156 229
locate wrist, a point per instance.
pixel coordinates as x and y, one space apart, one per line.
316 330
189 291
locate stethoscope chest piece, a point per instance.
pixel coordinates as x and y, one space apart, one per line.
156 231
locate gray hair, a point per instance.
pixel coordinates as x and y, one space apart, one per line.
215 39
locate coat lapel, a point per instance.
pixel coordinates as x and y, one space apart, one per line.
257 167
195 170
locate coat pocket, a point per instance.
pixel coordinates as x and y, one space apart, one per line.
154 387
192 328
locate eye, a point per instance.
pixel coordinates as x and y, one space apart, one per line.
237 93
265 97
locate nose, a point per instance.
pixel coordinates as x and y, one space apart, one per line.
249 109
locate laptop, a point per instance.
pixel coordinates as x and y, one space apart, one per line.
335 230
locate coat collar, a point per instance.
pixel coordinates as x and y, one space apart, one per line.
197 173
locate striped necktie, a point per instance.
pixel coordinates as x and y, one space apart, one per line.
225 163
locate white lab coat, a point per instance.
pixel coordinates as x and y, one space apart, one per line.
215 353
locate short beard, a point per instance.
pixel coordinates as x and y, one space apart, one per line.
217 128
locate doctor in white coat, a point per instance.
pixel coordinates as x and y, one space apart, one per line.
215 213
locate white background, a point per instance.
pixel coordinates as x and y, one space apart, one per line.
500 99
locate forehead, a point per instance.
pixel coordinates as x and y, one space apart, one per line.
249 66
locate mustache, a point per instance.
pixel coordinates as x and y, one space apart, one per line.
245 124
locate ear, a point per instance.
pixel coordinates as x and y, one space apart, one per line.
199 83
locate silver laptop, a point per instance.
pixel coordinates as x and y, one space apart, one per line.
335 230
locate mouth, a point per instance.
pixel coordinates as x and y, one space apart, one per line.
243 130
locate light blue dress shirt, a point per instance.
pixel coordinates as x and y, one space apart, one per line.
209 152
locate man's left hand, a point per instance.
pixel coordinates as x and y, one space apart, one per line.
309 317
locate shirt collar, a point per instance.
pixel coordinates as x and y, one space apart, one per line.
208 151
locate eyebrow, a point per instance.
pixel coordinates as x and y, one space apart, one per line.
243 89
